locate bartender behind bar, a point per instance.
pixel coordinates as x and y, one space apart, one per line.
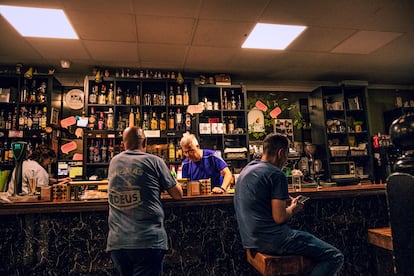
204 164
35 168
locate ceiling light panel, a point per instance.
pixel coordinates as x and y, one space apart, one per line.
38 22
272 36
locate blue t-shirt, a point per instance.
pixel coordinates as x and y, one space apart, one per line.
210 166
136 216
258 183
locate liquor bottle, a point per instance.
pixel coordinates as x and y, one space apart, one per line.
32 98
138 118
104 153
41 93
92 122
188 122
36 119
186 96
171 120
24 94
154 121
5 153
233 101
118 98
156 99
29 119
21 118
137 96
111 95
224 105
93 97
239 103
178 119
110 120
91 148
163 122
9 121
15 122
43 119
111 151
179 96
171 151
101 121
131 120
128 97
96 152
2 120
147 99
163 99
171 96
102 95
121 122
145 122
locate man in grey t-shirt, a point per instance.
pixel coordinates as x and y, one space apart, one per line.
137 238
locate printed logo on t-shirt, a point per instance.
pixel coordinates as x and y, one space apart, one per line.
125 199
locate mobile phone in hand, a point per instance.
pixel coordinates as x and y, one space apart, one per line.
303 199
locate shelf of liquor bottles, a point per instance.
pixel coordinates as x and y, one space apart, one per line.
25 111
156 105
223 123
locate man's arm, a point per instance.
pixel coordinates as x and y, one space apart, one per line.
227 178
176 192
282 211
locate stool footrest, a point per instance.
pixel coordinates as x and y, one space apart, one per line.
279 265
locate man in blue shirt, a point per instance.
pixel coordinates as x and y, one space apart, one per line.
204 164
263 208
137 239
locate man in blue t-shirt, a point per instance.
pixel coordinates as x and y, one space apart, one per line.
203 164
137 239
263 208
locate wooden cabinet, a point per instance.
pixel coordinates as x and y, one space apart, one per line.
340 130
222 125
157 105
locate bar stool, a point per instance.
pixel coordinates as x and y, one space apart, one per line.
269 265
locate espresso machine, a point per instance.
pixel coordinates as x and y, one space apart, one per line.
310 167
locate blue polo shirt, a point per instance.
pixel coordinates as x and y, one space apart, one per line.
209 166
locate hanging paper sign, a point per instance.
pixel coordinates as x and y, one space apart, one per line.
261 106
255 120
66 148
195 108
77 157
69 121
275 112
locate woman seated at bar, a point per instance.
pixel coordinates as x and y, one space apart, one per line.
204 164
35 168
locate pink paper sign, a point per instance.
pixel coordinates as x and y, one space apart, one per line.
275 112
261 106
66 148
69 121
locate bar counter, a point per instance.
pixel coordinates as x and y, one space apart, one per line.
55 238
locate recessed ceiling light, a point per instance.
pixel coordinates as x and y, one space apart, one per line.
37 22
272 36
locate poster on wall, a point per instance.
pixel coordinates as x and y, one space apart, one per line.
284 127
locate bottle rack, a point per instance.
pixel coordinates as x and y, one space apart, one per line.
158 106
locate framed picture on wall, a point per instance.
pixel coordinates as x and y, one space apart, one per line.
54 116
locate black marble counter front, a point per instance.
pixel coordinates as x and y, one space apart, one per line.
70 238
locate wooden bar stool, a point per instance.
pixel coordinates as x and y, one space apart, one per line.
269 265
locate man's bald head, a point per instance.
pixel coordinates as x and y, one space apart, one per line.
134 138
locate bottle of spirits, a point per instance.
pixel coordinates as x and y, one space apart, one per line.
119 99
178 119
186 96
104 151
145 122
43 119
24 94
9 121
154 121
93 97
225 101
137 96
92 121
111 94
188 122
97 152
36 119
128 97
179 96
163 122
121 122
171 152
102 95
163 101
111 151
233 101
101 121
131 120
91 148
2 120
138 118
110 120
32 98
21 118
171 96
171 120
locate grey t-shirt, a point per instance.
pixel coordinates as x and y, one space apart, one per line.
136 216
259 183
